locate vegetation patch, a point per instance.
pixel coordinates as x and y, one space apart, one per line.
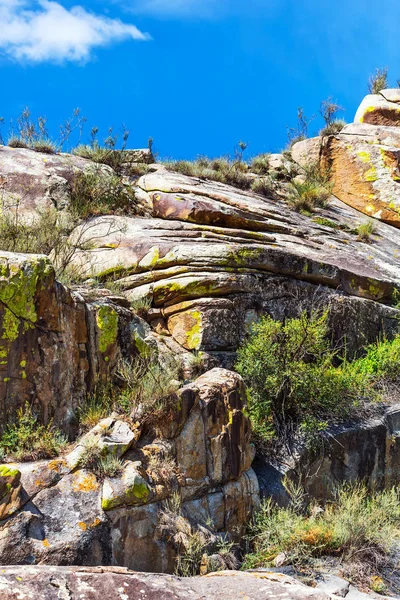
297 382
27 439
359 528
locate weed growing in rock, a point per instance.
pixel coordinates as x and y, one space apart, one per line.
94 460
365 230
98 406
141 306
358 527
219 169
27 439
260 164
265 186
150 387
333 128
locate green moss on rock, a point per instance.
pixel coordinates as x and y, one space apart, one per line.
107 323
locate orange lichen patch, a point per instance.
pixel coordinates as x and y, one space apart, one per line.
82 525
46 543
84 483
95 523
40 482
55 465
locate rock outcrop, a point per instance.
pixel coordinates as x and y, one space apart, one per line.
214 258
363 159
54 511
367 451
54 346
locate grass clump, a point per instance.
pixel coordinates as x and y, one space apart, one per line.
333 128
264 186
378 81
27 439
93 460
222 170
260 164
146 388
98 192
17 142
307 195
326 222
150 387
358 527
365 230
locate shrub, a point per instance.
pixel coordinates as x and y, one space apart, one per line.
28 439
365 230
307 195
378 81
39 236
260 164
150 387
295 380
290 374
358 526
332 128
96 192
264 186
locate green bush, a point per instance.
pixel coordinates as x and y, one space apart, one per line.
294 378
28 439
358 526
291 378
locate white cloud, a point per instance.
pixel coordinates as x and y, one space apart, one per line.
46 31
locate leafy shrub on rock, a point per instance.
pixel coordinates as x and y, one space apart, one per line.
27 439
290 375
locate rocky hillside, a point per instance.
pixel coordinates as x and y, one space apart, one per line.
141 263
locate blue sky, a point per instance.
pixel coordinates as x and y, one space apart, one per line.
196 75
